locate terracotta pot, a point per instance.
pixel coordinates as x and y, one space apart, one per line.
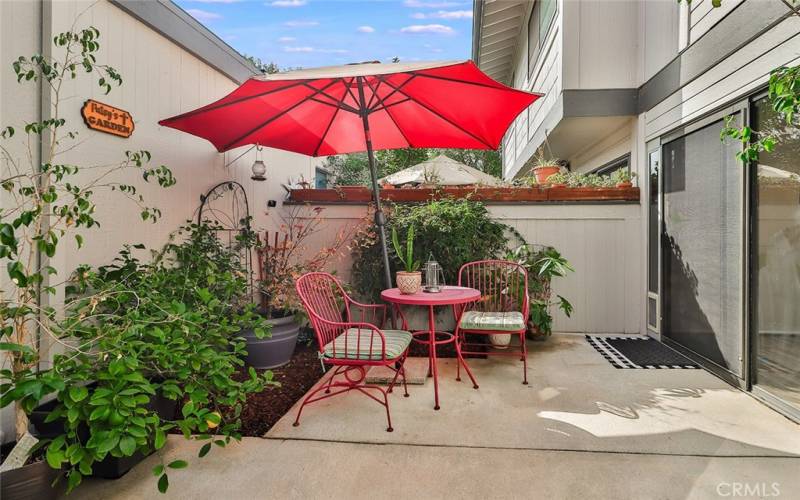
624 185
409 283
542 173
500 340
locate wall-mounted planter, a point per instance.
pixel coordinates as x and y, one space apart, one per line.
360 194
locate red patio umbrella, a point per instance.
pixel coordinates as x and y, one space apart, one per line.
362 107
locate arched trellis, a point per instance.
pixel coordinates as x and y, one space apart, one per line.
225 206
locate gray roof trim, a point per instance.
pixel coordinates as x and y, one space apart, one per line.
169 20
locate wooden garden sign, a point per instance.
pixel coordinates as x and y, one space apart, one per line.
108 119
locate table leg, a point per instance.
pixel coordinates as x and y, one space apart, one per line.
434 369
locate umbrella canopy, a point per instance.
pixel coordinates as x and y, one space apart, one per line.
446 172
317 112
362 107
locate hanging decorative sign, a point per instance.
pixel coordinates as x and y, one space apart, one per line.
108 119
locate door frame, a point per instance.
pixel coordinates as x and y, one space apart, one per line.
790 411
741 106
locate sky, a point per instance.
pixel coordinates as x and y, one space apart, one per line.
309 33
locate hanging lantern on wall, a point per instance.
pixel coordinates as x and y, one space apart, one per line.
259 168
434 276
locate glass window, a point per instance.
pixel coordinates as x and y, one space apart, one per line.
653 229
776 252
612 166
321 178
544 11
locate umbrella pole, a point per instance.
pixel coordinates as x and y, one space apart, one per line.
380 219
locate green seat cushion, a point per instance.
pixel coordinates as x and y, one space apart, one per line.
489 320
350 346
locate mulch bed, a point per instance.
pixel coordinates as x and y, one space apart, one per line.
264 409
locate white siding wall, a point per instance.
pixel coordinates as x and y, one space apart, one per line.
601 241
658 35
740 73
703 16
545 78
160 79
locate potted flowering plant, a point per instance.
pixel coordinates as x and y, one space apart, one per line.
622 178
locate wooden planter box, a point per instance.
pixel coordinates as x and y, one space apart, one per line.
361 194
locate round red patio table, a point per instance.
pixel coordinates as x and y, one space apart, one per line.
449 296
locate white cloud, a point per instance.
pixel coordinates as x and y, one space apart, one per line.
365 29
438 29
203 16
217 1
298 49
444 14
312 49
286 39
420 4
288 3
301 24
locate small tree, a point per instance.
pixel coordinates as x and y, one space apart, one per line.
45 198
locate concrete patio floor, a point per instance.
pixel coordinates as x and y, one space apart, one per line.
580 429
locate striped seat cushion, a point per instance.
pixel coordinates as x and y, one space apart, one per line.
489 320
353 346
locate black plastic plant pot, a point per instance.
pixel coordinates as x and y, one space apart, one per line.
30 482
274 351
110 467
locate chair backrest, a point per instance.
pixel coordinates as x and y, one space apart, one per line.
503 285
325 301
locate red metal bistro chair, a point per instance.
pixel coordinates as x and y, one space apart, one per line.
503 308
350 342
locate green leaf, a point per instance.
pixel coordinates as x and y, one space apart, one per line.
204 450
54 457
160 439
158 470
163 483
78 393
178 464
127 445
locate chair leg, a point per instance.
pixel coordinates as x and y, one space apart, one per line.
524 359
461 361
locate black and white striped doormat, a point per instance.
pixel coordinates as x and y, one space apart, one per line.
638 352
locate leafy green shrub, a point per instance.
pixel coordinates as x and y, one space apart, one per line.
453 231
166 328
543 263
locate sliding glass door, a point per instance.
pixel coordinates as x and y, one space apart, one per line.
702 245
776 260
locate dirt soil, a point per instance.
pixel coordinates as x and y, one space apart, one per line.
264 409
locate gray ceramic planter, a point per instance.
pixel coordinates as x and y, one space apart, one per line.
276 350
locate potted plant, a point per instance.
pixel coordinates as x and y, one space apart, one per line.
408 281
558 180
283 255
543 264
51 202
623 178
543 167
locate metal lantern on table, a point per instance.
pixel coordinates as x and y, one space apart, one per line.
434 276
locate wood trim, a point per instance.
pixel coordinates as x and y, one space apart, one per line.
359 194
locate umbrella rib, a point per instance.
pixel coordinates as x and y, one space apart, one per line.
467 82
272 119
339 103
397 88
328 128
229 103
448 120
399 129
